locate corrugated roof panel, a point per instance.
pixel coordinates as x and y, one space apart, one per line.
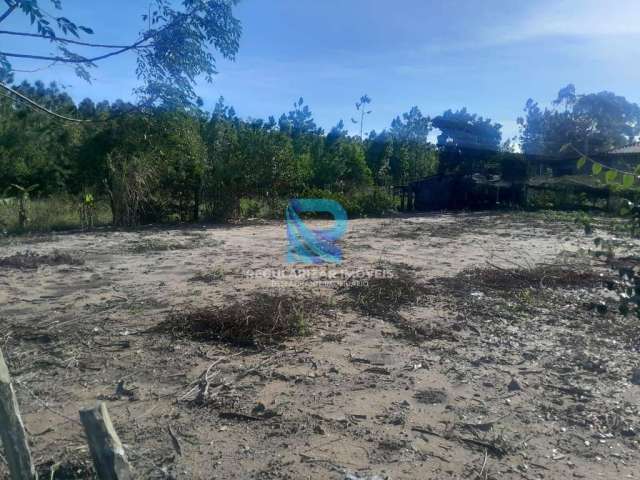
635 148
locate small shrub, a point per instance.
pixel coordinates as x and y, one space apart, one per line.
250 208
263 207
375 202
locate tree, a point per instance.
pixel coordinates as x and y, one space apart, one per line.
379 148
173 49
131 169
402 153
298 121
35 149
412 126
467 142
361 107
595 123
413 156
173 165
225 175
463 130
183 154
340 164
357 173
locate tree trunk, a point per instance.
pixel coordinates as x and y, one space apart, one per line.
196 204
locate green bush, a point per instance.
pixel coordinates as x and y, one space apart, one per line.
250 208
370 202
375 202
271 208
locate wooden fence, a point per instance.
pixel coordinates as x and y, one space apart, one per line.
109 458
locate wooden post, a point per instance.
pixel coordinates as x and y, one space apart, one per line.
109 458
12 432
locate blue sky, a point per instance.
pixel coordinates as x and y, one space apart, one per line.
489 55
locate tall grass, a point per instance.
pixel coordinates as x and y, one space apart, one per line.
63 212
59 212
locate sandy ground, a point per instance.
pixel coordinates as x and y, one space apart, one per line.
356 398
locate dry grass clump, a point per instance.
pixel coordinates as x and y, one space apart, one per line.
31 260
70 469
264 319
166 245
431 396
512 279
385 296
208 277
412 233
158 245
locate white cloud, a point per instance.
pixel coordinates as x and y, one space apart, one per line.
591 20
579 18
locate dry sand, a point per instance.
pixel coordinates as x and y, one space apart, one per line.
357 398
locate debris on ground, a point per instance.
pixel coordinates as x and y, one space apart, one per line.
384 296
263 319
499 279
514 385
32 260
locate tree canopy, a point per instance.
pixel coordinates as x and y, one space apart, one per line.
594 123
175 46
186 164
461 129
176 164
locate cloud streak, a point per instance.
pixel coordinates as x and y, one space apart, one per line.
582 20
577 18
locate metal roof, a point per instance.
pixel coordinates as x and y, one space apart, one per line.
629 149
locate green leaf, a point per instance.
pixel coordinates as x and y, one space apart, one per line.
610 176
564 147
627 181
581 162
596 168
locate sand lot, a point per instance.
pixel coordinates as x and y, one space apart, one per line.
425 391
